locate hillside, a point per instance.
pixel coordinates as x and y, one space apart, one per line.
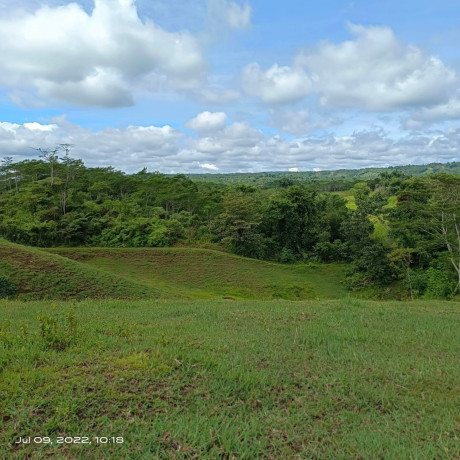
271 178
202 273
41 275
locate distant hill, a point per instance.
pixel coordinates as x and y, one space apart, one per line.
271 178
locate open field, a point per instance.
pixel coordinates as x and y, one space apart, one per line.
232 379
81 273
203 273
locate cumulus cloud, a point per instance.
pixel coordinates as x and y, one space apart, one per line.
239 136
235 147
96 58
376 71
208 122
436 114
373 71
276 85
124 148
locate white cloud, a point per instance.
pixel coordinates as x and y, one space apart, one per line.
95 58
208 166
124 148
236 147
34 126
208 122
239 138
373 71
225 13
277 85
293 169
436 114
240 147
376 71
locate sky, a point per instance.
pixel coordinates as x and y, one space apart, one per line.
218 86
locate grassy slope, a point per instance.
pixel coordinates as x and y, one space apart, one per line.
40 274
219 379
202 273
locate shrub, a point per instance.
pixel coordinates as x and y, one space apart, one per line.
437 286
56 334
8 288
287 256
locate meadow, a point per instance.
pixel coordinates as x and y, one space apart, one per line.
166 273
230 379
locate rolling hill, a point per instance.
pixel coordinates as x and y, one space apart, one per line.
42 275
203 273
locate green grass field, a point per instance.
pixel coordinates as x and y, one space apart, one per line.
194 353
229 379
203 273
173 273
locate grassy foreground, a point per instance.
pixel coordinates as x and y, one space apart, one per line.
222 379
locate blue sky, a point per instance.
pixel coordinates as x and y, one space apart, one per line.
226 86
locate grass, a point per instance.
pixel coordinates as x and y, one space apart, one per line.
42 275
203 273
228 379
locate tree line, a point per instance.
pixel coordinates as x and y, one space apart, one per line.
392 229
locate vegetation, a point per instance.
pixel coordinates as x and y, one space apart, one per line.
201 273
221 379
388 228
175 273
331 181
185 342
34 274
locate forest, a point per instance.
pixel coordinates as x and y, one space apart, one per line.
398 233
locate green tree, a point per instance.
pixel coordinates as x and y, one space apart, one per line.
238 227
291 220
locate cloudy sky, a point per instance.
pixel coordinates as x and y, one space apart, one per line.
230 86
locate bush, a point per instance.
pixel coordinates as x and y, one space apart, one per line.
8 288
287 256
432 283
437 286
10 337
58 335
330 252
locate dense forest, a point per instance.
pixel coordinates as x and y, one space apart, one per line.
392 229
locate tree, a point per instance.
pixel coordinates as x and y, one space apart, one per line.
370 263
427 219
51 157
71 166
291 220
238 226
444 211
6 169
401 260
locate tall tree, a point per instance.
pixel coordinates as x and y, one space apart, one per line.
291 220
444 216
